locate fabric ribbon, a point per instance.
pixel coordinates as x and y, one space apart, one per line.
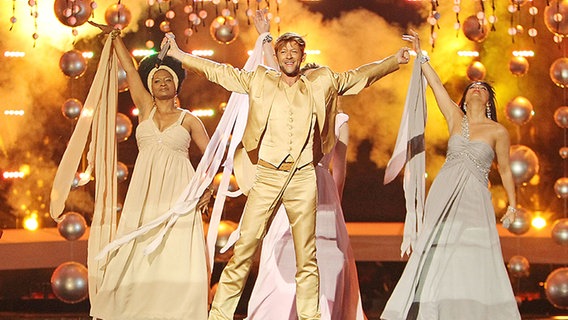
98 117
409 152
231 126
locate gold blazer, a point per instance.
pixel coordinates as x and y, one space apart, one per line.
260 84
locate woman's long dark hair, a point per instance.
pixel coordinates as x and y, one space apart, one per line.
492 100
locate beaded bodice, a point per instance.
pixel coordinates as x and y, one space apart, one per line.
477 155
465 127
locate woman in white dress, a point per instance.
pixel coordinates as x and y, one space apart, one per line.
456 268
172 281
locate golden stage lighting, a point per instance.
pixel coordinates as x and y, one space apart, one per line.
523 53
465 53
14 54
14 112
12 174
203 112
203 53
538 222
142 52
31 222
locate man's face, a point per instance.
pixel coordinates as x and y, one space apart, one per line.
290 57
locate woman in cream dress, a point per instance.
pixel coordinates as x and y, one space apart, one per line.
172 281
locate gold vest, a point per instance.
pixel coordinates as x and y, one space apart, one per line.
289 124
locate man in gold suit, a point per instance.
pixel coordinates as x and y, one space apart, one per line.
284 108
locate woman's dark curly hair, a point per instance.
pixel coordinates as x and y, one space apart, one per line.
149 62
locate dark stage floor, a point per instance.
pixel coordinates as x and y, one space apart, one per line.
52 309
82 316
27 294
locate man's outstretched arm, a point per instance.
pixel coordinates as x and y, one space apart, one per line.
353 81
230 78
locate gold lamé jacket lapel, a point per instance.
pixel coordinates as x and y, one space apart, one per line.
261 100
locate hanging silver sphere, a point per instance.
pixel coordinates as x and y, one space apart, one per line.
560 231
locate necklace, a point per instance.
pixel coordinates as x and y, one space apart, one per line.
465 127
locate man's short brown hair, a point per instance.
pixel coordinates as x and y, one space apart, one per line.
290 37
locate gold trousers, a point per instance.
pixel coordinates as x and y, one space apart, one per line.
299 199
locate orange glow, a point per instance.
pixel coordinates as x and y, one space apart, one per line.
12 175
142 52
25 169
88 54
468 53
523 53
31 222
14 54
538 222
84 177
535 180
203 112
14 112
203 53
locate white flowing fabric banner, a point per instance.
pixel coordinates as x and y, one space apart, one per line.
409 152
231 126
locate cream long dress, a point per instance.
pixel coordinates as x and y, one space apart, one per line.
171 282
456 270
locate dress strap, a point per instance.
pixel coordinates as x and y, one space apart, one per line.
465 127
181 116
152 112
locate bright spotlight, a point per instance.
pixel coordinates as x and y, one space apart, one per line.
538 222
31 223
201 113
